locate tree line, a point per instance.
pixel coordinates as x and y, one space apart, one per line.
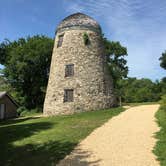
133 90
27 61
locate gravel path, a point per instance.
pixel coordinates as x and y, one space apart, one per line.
125 140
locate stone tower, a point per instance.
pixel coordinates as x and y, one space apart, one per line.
78 80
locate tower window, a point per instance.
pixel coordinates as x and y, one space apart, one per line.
60 40
68 95
69 70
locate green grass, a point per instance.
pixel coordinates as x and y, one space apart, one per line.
26 113
43 141
160 148
138 104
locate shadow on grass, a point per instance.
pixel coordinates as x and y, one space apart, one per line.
40 155
30 154
15 120
33 154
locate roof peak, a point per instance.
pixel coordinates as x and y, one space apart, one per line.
2 93
78 13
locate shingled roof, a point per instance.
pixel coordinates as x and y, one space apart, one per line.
4 93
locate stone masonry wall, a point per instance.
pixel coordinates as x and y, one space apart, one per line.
91 83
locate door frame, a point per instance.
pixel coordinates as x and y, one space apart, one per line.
2 111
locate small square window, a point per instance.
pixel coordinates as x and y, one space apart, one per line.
60 40
68 95
69 70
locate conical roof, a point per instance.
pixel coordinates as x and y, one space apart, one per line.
78 20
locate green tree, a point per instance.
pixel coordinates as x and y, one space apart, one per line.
163 60
27 63
140 90
117 63
4 86
162 86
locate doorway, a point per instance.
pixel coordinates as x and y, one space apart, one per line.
2 111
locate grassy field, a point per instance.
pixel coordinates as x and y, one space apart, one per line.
160 148
38 141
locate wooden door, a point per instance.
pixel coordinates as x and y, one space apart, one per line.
2 111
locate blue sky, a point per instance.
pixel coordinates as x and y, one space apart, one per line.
139 25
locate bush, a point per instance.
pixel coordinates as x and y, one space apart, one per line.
86 39
163 103
22 111
160 148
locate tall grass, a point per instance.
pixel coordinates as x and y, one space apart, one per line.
160 148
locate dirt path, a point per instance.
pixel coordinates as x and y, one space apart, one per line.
125 140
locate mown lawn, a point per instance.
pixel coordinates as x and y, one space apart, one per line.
160 148
33 141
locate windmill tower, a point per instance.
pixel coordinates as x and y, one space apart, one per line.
78 80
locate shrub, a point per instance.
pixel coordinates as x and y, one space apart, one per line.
21 109
160 148
86 39
163 103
